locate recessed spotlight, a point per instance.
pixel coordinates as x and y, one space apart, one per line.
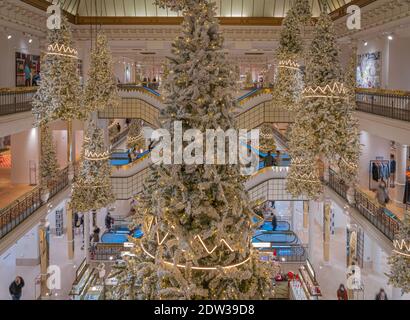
365 43
390 37
30 40
9 36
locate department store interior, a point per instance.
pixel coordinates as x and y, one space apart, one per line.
74 208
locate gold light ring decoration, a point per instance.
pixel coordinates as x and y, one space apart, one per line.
336 90
62 50
402 247
94 156
289 64
197 267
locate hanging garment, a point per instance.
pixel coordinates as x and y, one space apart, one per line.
392 166
385 171
406 198
375 172
380 168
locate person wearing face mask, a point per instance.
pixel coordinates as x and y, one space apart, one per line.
342 293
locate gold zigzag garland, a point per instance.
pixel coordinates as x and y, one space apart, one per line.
135 138
289 64
161 241
310 177
337 90
402 247
94 156
62 50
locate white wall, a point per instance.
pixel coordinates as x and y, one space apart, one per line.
60 141
27 248
24 147
8 49
399 68
372 147
7 271
395 64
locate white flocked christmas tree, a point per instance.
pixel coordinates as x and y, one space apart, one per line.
92 188
59 95
324 123
197 219
289 79
399 261
101 90
48 158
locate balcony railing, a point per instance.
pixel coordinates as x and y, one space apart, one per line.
16 100
382 218
20 209
385 103
107 251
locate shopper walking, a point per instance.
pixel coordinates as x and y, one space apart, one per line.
27 74
269 160
342 293
274 222
381 295
108 222
382 195
278 158
16 288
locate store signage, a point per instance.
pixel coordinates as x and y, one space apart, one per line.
129 245
261 245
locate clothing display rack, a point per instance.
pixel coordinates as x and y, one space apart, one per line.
379 170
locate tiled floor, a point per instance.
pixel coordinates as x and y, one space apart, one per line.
9 191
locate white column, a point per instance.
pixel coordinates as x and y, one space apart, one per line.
400 178
326 231
311 226
292 215
87 234
25 152
305 214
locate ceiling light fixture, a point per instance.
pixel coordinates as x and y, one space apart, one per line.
9 36
390 37
365 43
30 40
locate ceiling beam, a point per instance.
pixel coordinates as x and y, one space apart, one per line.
341 12
43 5
229 21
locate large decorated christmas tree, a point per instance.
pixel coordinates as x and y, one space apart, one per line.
92 188
135 137
48 157
350 144
197 219
399 261
59 94
324 126
289 80
101 90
